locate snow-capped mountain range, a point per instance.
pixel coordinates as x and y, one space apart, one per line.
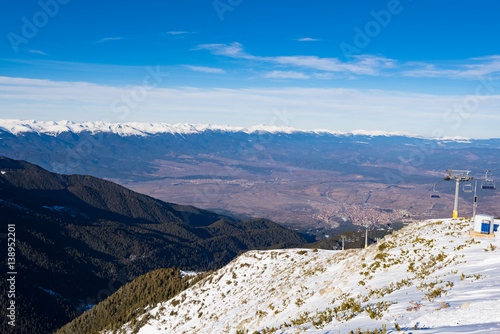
16 126
173 162
431 275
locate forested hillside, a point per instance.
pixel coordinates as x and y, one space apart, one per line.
80 238
132 300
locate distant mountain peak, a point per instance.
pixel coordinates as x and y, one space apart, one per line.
54 128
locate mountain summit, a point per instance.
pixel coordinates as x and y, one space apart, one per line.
16 126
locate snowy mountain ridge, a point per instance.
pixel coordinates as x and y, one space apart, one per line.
54 128
431 275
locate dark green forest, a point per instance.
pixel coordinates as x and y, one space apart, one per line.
131 300
80 238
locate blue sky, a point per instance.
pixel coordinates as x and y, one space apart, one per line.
424 67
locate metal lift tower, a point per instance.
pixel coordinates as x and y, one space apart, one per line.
458 176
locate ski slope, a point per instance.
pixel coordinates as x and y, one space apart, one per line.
430 277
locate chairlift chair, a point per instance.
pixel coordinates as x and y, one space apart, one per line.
467 188
435 193
488 184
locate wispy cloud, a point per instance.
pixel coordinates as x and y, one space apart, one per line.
234 50
109 39
473 68
285 75
359 65
9 81
38 52
324 76
205 69
308 39
368 65
77 68
175 33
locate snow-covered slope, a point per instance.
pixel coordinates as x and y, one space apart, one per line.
16 127
430 275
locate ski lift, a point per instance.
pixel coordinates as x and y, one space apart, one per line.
435 192
488 184
467 188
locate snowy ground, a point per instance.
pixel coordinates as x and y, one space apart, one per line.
430 277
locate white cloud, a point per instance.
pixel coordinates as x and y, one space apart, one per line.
57 65
308 39
27 82
108 39
370 65
178 32
234 50
472 69
205 69
38 52
285 75
360 65
324 76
